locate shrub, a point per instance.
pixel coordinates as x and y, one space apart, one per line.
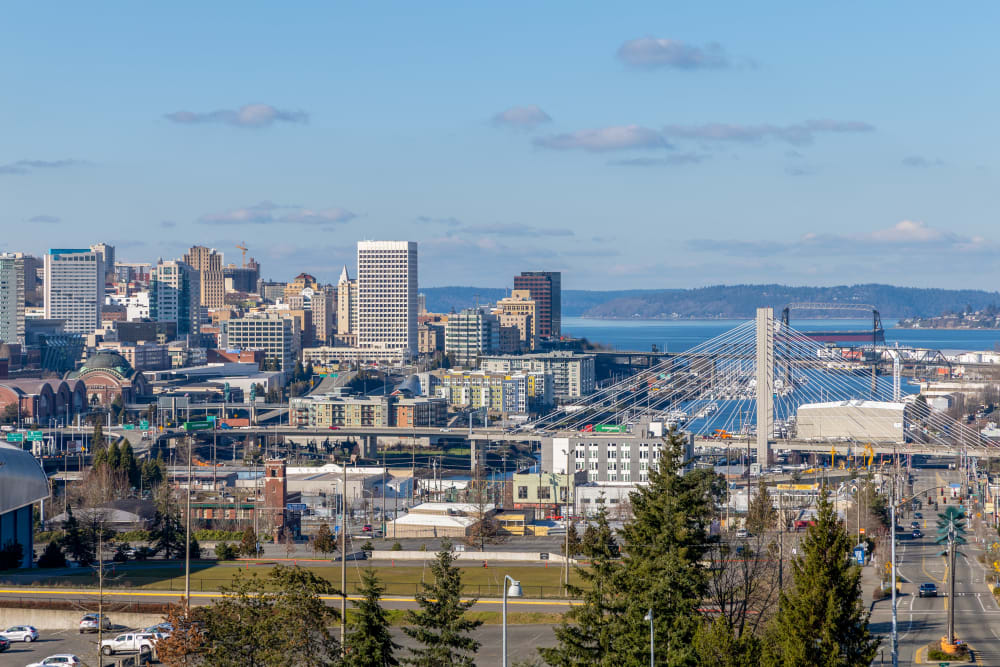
368 548
961 654
226 551
396 546
206 535
11 555
52 556
134 536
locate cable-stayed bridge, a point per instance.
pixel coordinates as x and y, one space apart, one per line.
766 382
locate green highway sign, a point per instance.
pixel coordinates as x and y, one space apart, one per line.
129 427
35 436
15 437
144 425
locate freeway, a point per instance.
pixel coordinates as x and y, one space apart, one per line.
924 620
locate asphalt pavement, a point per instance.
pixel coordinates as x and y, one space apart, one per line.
921 621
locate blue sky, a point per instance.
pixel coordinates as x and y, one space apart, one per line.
627 145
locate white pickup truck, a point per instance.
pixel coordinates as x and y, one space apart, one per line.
129 642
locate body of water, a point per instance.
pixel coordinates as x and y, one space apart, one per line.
680 335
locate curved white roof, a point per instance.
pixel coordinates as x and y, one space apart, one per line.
22 480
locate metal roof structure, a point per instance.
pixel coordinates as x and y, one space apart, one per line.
22 480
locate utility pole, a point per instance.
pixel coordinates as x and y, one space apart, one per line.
187 534
567 517
343 557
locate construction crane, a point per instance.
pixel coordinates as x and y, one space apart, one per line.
242 245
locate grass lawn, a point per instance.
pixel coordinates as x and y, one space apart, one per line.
536 582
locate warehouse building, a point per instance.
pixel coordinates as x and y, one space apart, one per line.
874 421
22 484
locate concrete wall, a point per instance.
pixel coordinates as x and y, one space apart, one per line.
50 619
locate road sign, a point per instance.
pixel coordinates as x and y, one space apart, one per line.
35 436
296 507
861 530
15 437
129 427
144 424
859 554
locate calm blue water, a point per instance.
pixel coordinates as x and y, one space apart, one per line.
680 335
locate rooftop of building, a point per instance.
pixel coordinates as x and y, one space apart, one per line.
104 360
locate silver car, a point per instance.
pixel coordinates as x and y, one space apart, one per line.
89 623
20 633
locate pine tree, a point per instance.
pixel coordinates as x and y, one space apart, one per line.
761 515
128 464
166 533
439 624
114 456
74 541
248 543
589 635
665 544
97 439
821 620
324 541
716 644
52 556
573 539
369 641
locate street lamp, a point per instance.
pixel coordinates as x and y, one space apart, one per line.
652 648
515 592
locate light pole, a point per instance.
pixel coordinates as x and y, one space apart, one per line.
652 647
515 592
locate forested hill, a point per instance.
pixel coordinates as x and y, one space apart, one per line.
730 301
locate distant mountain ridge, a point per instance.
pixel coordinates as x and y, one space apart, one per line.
729 301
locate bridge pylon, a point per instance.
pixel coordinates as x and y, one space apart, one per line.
765 384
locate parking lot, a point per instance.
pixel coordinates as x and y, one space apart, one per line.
51 642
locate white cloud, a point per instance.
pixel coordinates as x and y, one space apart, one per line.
613 138
650 52
26 166
267 212
250 115
796 133
526 117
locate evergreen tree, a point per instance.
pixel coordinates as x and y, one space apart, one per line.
52 556
97 439
310 371
128 464
298 372
248 543
589 635
166 533
439 625
369 641
761 514
114 456
716 644
821 620
74 541
324 541
573 539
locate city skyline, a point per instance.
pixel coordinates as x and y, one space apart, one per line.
662 147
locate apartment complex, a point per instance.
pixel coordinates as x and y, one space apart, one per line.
11 299
175 296
276 336
471 334
357 411
573 373
387 295
545 288
499 393
208 263
74 288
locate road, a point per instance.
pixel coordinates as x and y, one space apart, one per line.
924 620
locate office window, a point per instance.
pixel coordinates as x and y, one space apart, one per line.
522 492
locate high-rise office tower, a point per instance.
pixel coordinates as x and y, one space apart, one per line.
208 263
387 295
11 299
107 253
74 288
347 305
175 296
546 291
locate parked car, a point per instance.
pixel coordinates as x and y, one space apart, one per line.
927 590
4 644
918 515
89 623
742 532
164 630
129 642
20 633
60 659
